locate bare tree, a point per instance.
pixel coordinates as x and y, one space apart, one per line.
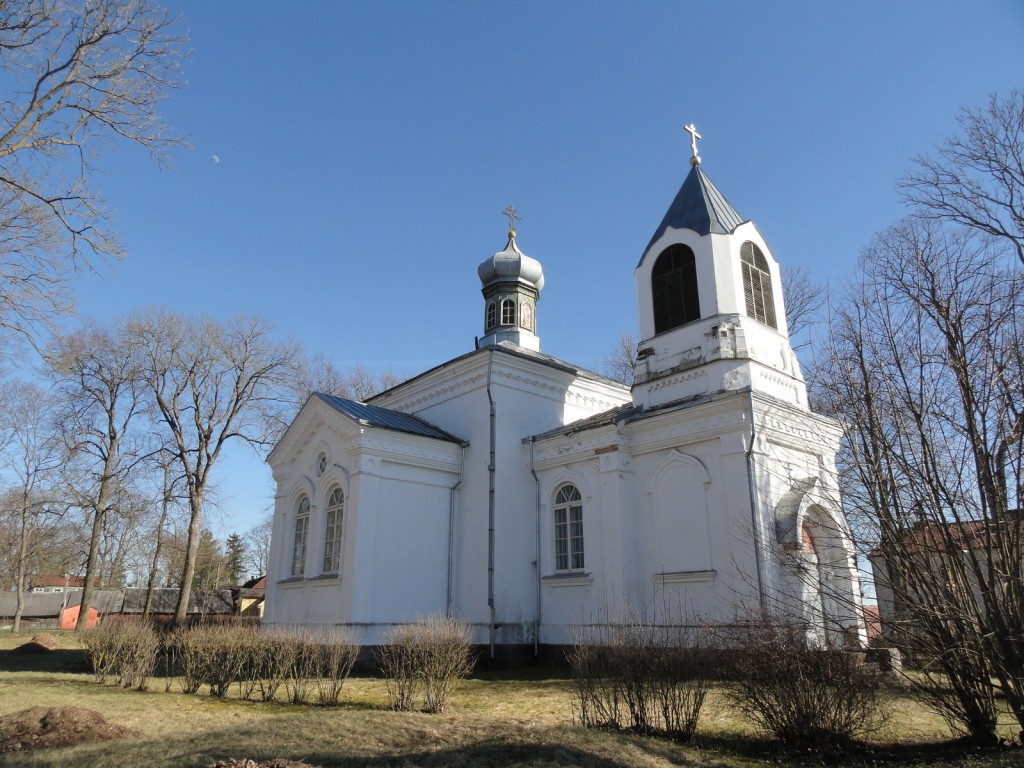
618 363
926 369
805 300
98 376
34 452
257 545
80 76
976 179
210 383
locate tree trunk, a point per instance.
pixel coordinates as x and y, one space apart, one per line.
165 505
195 502
22 557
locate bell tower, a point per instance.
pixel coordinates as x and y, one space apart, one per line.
511 284
709 297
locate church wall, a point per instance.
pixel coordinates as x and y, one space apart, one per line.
529 398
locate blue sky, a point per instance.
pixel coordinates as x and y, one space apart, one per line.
350 160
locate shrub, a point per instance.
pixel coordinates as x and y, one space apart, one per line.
806 697
432 656
336 653
642 676
273 661
127 649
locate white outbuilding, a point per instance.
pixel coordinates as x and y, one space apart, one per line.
531 497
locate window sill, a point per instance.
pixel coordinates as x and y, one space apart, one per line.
328 577
569 579
291 581
684 577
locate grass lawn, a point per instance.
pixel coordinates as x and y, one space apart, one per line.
522 718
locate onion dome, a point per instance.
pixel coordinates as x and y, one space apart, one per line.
511 265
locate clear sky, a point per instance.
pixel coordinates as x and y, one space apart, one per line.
351 160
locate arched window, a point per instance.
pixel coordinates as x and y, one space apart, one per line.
299 542
526 316
568 529
508 312
332 532
674 289
757 285
492 315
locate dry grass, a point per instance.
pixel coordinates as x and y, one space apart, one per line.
494 719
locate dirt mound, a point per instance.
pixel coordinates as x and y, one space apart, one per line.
43 727
47 641
232 763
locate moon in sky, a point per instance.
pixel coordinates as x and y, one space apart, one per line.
216 158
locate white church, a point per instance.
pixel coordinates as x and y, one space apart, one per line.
531 497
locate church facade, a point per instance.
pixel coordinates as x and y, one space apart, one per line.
533 498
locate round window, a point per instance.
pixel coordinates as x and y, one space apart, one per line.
321 466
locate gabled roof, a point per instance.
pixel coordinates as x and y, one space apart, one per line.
513 350
385 418
699 206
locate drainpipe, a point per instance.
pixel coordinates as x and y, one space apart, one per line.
452 495
755 521
536 562
490 506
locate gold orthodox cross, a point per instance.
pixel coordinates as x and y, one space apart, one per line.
513 217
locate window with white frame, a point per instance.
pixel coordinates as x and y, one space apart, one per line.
508 312
492 315
568 529
301 533
332 532
757 285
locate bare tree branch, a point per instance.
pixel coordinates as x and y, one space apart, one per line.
84 75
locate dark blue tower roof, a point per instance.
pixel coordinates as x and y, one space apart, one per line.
699 206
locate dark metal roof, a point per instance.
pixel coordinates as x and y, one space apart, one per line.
603 419
699 206
103 600
385 418
38 605
165 600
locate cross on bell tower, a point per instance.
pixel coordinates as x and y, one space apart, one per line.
692 130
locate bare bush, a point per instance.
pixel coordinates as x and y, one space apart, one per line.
274 660
301 680
431 656
336 654
446 657
639 675
805 697
125 649
399 660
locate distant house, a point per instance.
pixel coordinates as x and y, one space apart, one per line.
42 610
946 550
45 583
249 597
61 610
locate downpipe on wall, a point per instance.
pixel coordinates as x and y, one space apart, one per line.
490 505
755 518
536 562
453 493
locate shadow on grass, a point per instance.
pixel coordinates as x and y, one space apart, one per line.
561 747
58 660
950 752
